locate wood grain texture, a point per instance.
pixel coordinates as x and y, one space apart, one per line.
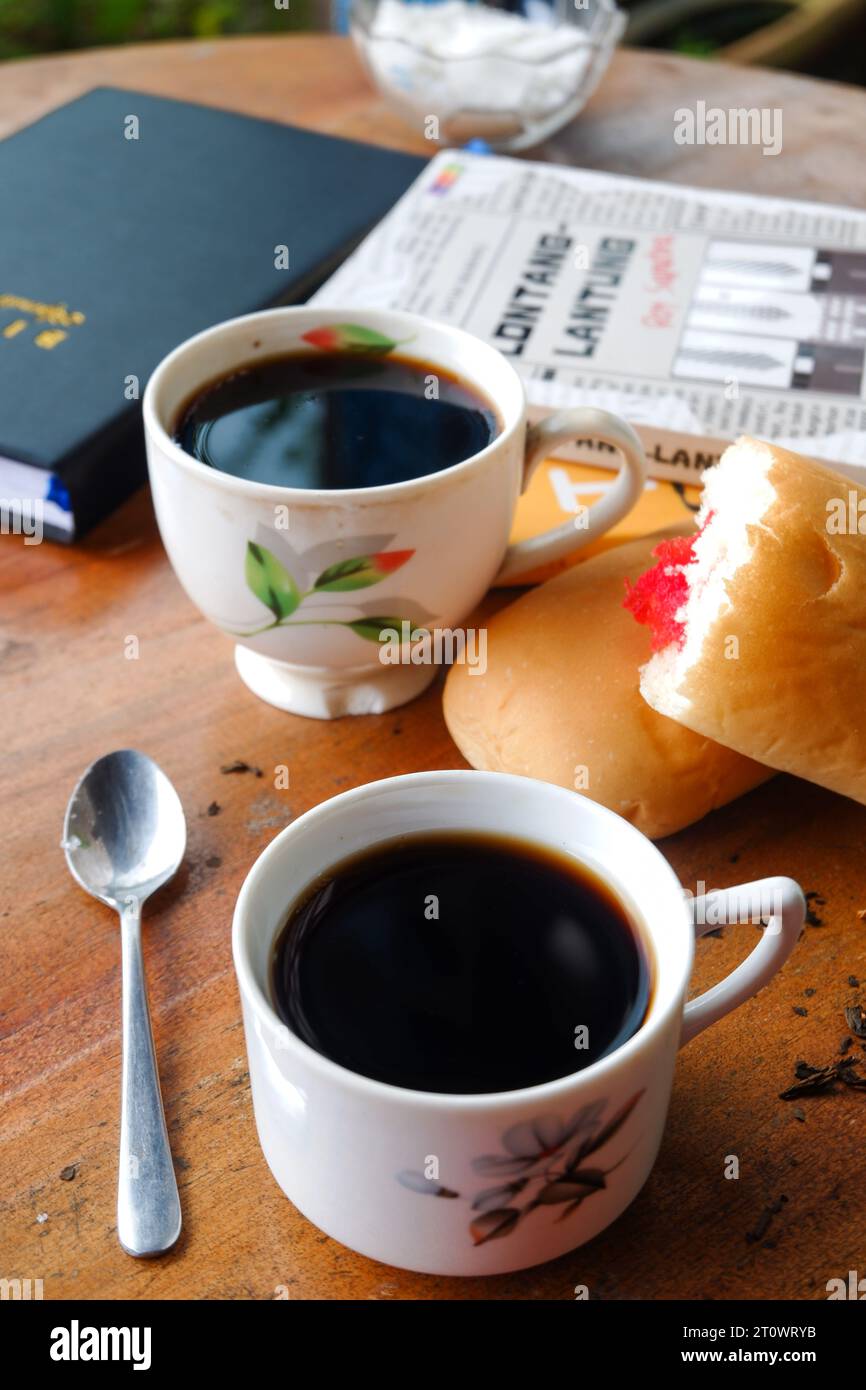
317 81
69 694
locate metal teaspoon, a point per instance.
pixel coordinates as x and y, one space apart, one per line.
124 837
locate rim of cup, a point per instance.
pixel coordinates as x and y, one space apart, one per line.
656 1020
511 415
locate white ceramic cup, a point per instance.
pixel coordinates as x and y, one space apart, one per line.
262 561
423 1180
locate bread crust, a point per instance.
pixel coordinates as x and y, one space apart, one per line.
560 693
794 695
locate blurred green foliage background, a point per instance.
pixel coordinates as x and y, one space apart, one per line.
835 48
48 26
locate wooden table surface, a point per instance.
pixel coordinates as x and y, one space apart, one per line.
69 694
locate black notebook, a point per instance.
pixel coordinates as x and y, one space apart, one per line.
129 223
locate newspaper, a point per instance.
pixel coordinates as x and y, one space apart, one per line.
698 315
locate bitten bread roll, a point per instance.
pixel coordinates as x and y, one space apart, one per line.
760 625
560 701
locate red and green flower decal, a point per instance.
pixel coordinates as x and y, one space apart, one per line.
269 579
350 337
360 572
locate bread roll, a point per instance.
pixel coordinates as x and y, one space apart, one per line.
560 694
767 653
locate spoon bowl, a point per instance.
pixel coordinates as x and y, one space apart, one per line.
125 832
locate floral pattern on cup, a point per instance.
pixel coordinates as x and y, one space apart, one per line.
543 1163
351 337
274 584
283 581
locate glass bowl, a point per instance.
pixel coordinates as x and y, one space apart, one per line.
509 72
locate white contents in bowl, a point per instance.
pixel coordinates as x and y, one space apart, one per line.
456 58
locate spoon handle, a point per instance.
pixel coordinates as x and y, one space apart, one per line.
148 1205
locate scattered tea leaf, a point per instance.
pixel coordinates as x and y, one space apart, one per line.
214 808
816 1080
69 1172
801 1011
855 1017
811 1080
812 918
762 1224
853 982
240 766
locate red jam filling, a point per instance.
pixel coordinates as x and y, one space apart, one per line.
659 594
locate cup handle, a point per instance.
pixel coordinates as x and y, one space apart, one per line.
778 899
541 439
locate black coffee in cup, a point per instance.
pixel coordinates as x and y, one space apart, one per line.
336 420
461 963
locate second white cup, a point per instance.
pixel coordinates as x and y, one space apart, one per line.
354 1154
432 546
